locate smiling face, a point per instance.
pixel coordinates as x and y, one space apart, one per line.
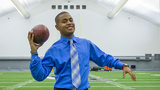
65 25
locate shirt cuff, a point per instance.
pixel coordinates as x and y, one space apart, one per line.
119 65
34 53
34 57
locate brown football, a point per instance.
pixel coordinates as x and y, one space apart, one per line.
41 34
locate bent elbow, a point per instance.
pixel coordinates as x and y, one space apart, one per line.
37 78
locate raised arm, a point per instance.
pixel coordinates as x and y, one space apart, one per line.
40 69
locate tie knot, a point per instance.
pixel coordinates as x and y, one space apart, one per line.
71 41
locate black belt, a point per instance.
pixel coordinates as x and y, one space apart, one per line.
64 88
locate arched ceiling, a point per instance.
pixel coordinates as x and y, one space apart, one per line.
148 10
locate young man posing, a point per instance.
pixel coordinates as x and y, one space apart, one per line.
70 57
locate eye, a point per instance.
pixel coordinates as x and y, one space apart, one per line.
71 20
63 21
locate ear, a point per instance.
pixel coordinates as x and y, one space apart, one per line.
57 27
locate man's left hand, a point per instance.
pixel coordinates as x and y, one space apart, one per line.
127 70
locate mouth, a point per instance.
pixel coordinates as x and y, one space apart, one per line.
70 27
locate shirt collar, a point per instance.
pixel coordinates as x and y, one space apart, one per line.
66 40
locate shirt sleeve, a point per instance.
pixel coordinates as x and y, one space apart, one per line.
40 69
102 59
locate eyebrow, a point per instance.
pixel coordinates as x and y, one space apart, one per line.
67 19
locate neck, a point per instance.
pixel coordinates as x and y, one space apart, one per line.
69 36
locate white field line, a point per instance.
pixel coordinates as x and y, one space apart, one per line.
49 77
91 86
126 82
89 82
18 85
99 78
120 85
142 73
145 86
116 84
138 82
10 82
126 88
114 79
140 79
155 74
26 86
150 74
94 76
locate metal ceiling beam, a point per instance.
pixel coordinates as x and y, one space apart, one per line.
20 9
117 8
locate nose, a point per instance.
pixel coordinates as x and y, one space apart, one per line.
68 22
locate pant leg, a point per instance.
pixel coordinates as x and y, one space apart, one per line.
61 88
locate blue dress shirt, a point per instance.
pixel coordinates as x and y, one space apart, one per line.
58 56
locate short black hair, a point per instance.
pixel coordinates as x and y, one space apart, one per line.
57 17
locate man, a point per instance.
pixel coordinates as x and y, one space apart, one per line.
67 51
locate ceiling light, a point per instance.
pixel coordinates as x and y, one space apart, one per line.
118 7
20 9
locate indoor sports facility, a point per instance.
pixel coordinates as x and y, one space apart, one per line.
126 29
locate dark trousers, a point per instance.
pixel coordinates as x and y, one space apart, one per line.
63 89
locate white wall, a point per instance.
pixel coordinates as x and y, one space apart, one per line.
119 36
122 36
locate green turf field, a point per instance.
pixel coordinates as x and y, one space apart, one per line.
100 81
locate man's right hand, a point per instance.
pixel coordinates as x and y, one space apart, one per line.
33 46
